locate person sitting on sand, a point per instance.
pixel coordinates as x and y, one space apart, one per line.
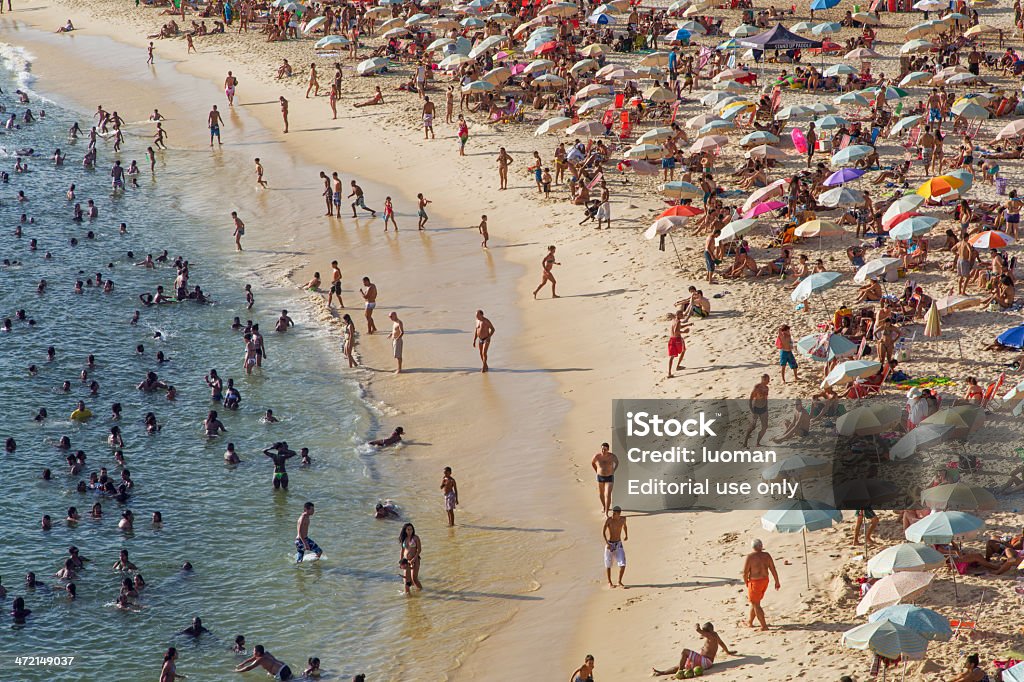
972 671
314 283
974 393
742 263
797 427
378 98
285 70
776 267
870 291
705 659
897 174
395 437
66 28
1004 294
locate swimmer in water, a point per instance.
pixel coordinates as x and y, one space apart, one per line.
279 453
213 426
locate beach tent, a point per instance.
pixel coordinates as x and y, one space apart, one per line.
778 38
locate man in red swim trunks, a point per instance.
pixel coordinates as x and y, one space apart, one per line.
676 345
756 568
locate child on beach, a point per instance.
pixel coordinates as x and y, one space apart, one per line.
483 231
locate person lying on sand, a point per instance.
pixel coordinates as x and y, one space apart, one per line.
692 660
378 98
395 437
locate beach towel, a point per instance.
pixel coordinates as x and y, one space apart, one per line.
926 382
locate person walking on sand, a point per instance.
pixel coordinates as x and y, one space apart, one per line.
389 214
690 660
784 342
604 463
304 543
370 297
397 339
350 340
284 111
615 533
230 83
214 122
239 230
545 275
314 82
482 335
259 174
335 285
428 118
676 344
360 201
756 569
482 227
412 549
422 213
503 163
149 53
758 403
450 490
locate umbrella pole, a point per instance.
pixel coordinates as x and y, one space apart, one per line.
678 258
807 568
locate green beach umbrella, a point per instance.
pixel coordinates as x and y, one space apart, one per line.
887 639
927 623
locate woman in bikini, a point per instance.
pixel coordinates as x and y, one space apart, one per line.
412 549
546 264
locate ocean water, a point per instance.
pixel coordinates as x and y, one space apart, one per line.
227 521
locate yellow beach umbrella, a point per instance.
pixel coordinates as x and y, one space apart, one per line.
658 94
936 187
819 228
980 29
594 50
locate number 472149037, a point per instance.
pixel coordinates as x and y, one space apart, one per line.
44 661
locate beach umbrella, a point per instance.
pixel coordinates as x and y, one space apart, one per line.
932 326
948 304
744 31
730 74
826 27
549 80
839 70
560 9
797 468
1012 337
758 137
921 437
583 66
916 45
621 73
912 226
961 78
693 27
826 347
815 284
841 196
793 111
893 589
764 151
819 228
973 112
735 230
708 143
964 176
539 48
664 226
490 43
764 207
1011 130
831 122
915 77
867 18
594 50
925 28
883 267
681 211
659 95
887 639
478 86
802 27
396 32
645 151
775 189
313 23
538 65
1014 673
980 29
958 497
944 527
801 516
927 623
991 239
887 93
454 60
501 18
846 372
586 129
732 109
845 157
392 23
680 35
729 44
862 53
821 109
965 419
371 66
842 176
711 127
904 204
730 86
938 186
417 19
1014 397
553 125
601 19
852 98
472 22
441 23
868 420
903 558
656 135
592 90
650 72
678 189
905 123
930 5
655 59
713 98
498 75
595 103
327 41
440 44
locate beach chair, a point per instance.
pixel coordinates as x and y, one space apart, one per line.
776 98
843 142
991 390
626 131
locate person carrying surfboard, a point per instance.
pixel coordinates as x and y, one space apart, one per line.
304 543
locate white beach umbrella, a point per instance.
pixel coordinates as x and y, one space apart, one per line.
594 103
553 125
371 66
587 129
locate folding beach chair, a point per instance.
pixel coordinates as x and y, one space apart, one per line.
627 126
991 390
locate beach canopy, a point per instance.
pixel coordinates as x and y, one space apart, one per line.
778 38
944 527
927 623
887 639
894 589
908 556
958 497
814 283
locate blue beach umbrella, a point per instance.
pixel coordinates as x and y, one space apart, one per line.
800 516
925 622
940 528
679 35
1013 337
601 19
818 5
913 227
1014 674
826 27
887 639
843 175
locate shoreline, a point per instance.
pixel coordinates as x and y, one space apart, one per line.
559 592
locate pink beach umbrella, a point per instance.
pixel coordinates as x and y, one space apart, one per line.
764 207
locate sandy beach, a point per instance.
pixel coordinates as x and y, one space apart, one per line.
521 437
